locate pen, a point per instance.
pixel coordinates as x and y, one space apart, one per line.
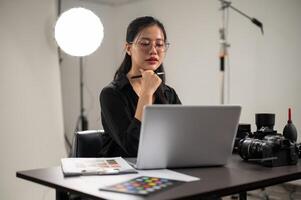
139 76
100 172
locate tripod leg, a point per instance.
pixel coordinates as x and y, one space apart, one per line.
243 196
61 195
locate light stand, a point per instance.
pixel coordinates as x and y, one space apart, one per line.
227 4
225 44
222 56
79 32
83 121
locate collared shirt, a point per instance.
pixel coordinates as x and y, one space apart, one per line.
118 102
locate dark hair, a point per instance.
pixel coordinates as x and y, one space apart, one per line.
133 30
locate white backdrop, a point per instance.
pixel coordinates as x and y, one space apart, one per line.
264 69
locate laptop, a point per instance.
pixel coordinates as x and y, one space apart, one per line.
175 136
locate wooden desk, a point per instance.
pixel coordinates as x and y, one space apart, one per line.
236 177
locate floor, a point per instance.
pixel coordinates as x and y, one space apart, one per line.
278 192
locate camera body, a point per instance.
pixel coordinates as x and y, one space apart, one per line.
266 146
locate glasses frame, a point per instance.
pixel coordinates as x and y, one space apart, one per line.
167 44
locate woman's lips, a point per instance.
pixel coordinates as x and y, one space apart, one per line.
152 61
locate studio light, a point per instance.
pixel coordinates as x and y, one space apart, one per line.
78 32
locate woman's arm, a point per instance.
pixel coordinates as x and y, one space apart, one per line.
143 101
119 122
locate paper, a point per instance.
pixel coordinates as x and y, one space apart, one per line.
95 166
169 174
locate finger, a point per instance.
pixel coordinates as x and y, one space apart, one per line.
147 70
148 73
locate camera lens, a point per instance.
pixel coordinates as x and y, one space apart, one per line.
251 148
265 120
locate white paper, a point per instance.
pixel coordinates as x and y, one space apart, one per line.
99 166
169 174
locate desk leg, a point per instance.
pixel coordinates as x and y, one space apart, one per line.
243 196
60 195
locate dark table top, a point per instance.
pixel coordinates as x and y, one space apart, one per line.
237 176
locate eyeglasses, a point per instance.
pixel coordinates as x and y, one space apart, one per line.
146 45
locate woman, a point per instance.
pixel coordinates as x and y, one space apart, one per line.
122 101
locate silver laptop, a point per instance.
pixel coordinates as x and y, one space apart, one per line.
174 136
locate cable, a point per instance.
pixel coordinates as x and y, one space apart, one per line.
228 57
91 97
69 145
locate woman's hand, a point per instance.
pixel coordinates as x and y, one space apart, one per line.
149 83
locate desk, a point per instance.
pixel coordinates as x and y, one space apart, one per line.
236 177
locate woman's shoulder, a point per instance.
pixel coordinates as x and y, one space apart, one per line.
118 85
171 95
110 89
168 88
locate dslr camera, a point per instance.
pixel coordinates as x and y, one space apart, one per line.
266 146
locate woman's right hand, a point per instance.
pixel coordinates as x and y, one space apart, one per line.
149 83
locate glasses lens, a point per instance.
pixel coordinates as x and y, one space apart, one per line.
146 45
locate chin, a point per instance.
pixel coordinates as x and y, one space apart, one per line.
151 67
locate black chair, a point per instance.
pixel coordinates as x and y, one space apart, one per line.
87 143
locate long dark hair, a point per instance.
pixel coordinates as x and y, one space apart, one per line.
133 30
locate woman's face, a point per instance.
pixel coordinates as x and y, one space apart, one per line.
148 49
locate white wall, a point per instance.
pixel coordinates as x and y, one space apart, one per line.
264 69
31 103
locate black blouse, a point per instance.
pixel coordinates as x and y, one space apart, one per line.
118 102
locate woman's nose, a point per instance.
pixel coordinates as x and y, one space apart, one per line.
153 49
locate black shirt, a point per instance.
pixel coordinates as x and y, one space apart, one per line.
118 102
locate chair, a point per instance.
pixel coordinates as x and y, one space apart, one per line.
87 143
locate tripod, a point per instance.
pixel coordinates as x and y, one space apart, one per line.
224 43
82 119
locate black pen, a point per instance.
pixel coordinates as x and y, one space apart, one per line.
139 76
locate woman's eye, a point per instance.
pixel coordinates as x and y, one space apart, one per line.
145 44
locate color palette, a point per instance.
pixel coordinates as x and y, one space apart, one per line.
92 166
142 185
